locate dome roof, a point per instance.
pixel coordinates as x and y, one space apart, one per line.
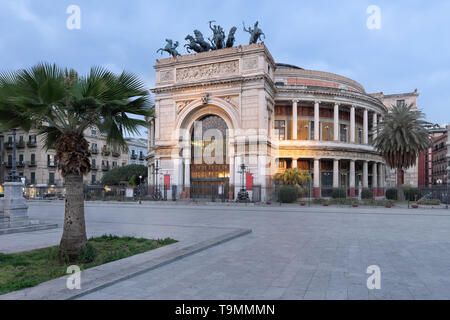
287 66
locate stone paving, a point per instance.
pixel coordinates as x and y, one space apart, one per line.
292 253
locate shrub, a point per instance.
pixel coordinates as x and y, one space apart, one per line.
288 194
429 202
319 201
412 194
87 253
118 175
367 194
339 194
391 194
342 201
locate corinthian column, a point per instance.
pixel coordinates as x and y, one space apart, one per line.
366 126
316 121
352 124
336 122
294 119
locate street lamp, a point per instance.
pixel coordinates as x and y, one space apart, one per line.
243 194
12 177
140 189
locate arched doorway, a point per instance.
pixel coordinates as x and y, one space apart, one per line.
209 169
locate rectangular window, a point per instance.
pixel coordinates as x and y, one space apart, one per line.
93 179
33 158
51 178
93 133
93 163
33 178
400 103
360 139
311 130
280 129
51 159
343 132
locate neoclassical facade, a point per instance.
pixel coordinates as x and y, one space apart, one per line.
274 116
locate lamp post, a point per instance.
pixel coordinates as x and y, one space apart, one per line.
140 189
243 194
12 177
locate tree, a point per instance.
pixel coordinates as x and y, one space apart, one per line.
123 175
401 136
61 105
294 176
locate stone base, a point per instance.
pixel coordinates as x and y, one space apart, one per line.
23 225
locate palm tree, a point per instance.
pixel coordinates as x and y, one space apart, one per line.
61 105
401 136
293 176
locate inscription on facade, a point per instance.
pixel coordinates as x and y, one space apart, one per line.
166 76
250 64
212 70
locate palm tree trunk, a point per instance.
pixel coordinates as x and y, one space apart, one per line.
74 232
400 193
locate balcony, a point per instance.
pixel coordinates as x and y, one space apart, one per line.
20 164
105 152
94 151
141 157
8 164
9 145
105 167
31 164
21 144
94 167
134 156
54 182
115 154
51 164
32 144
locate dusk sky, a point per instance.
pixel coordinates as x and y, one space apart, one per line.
410 50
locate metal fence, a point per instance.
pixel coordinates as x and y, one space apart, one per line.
229 193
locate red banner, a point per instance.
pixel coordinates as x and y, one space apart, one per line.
167 181
249 181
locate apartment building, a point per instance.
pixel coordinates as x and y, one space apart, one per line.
38 166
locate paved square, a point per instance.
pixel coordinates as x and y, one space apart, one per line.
292 253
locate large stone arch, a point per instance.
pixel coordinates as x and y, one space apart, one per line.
198 109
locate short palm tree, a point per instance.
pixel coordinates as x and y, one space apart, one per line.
61 105
401 136
293 176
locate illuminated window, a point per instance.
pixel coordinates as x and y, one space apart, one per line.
280 129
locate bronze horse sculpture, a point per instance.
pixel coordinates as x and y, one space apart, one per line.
171 48
192 45
255 33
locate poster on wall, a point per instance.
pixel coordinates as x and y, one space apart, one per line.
249 181
167 181
129 192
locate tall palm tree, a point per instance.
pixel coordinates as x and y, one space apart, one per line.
61 105
401 136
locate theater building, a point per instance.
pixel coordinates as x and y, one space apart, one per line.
273 116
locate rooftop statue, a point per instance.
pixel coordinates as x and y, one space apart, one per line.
218 41
192 45
255 33
170 48
230 39
201 41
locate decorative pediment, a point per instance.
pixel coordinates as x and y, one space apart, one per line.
208 71
233 100
182 104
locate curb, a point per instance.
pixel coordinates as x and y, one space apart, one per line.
105 275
